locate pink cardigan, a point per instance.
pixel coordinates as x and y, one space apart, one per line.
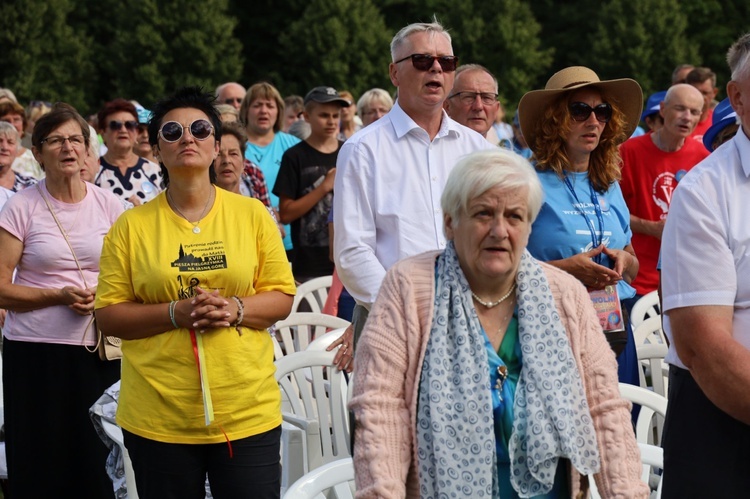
389 358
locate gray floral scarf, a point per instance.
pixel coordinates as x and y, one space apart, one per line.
455 427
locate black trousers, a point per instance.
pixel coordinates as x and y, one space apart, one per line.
50 442
178 471
706 451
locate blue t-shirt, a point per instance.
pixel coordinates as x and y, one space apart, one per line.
560 231
268 159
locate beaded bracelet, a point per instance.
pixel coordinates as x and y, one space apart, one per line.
240 313
172 306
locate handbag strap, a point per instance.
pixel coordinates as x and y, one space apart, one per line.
80 270
64 234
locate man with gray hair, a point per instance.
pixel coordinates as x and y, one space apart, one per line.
473 99
706 301
230 93
390 175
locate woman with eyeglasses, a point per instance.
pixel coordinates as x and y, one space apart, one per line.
190 281
130 177
51 236
574 126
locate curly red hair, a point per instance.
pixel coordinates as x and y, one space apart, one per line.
552 130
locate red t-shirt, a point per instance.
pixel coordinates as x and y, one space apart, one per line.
649 177
702 127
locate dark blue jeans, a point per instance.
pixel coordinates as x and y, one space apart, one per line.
178 471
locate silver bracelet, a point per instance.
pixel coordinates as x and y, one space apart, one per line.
172 306
240 313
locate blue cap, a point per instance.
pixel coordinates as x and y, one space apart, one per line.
143 115
653 104
724 115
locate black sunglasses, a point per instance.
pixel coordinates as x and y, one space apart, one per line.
423 62
580 111
130 125
232 100
200 129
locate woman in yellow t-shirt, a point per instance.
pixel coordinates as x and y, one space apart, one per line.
190 281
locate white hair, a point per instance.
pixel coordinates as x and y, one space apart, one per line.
738 58
8 130
373 95
481 171
407 31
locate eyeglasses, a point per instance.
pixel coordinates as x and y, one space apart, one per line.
232 100
423 62
200 129
130 125
468 98
580 111
56 142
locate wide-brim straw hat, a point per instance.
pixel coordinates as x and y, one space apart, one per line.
624 92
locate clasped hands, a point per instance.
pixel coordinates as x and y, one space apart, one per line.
595 276
206 310
80 301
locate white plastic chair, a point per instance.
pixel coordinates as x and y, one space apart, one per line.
314 292
653 410
325 340
647 306
115 433
314 388
295 333
337 475
651 347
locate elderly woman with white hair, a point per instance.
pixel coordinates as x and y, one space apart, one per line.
9 144
483 372
373 105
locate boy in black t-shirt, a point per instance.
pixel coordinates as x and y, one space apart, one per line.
305 184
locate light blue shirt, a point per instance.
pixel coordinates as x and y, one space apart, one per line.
268 159
560 231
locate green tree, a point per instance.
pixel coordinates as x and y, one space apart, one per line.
341 43
43 57
505 41
643 40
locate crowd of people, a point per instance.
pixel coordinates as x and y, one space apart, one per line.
470 249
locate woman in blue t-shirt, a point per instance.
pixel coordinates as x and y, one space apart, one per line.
574 126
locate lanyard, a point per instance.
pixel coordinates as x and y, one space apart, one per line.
597 210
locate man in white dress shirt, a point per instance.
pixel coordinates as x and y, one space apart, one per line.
391 174
706 290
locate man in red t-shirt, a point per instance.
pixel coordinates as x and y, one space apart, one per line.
652 165
705 81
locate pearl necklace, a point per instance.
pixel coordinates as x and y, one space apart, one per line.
196 229
492 304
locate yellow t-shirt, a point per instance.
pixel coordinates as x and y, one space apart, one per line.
151 255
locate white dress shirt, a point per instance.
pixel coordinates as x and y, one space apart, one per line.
389 179
706 242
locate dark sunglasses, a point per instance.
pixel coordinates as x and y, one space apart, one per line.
200 129
130 125
423 62
580 111
232 100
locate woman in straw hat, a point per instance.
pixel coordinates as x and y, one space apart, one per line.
574 126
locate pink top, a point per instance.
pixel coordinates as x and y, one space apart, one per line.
46 261
389 359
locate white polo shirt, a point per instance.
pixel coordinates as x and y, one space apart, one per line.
706 242
389 179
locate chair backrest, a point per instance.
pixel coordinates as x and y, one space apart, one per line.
337 474
647 306
314 293
652 405
324 341
651 347
650 331
314 389
295 333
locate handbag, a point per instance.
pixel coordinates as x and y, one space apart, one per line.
108 347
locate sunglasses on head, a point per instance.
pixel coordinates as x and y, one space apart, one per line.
580 111
130 125
200 129
423 62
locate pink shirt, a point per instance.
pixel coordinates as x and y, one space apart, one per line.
46 261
